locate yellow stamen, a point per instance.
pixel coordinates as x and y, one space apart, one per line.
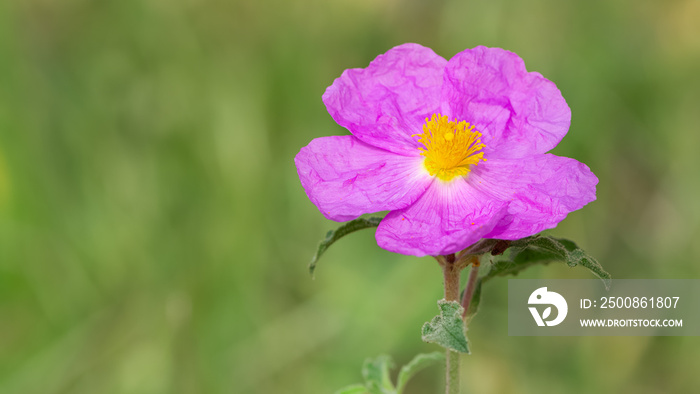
451 148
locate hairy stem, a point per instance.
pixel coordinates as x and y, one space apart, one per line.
451 273
452 373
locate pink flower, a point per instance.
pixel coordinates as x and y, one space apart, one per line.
455 150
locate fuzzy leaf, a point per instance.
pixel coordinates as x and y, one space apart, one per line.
354 389
543 250
447 329
376 374
340 232
416 365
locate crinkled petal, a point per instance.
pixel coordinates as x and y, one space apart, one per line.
449 217
345 178
541 191
518 112
387 102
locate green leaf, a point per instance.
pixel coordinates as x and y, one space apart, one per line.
340 232
376 374
419 363
354 389
447 329
578 257
543 250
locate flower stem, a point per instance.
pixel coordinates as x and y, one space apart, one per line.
471 285
452 372
451 273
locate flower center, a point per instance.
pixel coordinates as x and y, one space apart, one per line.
451 148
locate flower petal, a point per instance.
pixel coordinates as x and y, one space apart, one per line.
541 191
345 178
518 113
387 102
449 217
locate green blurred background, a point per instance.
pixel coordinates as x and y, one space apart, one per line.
154 237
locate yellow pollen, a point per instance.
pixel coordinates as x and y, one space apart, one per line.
450 148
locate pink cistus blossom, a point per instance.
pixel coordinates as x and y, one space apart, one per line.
455 150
